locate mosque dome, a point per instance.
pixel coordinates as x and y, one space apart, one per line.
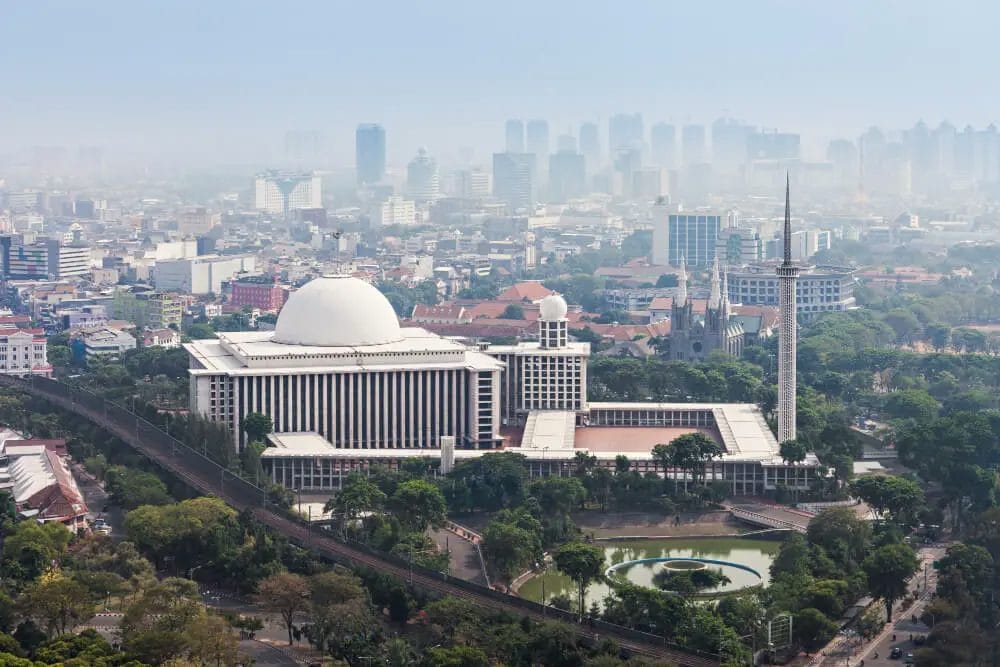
337 311
553 307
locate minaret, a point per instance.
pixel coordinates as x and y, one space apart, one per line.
715 295
788 274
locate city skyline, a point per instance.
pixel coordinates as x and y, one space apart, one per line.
82 91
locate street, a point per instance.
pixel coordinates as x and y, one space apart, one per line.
850 651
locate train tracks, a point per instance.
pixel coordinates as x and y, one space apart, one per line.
206 477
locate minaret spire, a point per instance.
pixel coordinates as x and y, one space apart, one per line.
787 241
788 275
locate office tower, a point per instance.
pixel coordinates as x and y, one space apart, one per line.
738 246
729 146
651 183
567 176
472 183
514 179
663 144
369 145
773 145
694 237
843 155
537 139
625 131
514 130
278 192
693 145
566 142
303 146
590 146
788 273
422 180
628 162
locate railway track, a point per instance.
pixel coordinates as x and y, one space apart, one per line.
208 478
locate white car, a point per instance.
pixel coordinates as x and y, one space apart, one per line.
102 527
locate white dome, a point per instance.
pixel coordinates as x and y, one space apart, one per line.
337 311
553 307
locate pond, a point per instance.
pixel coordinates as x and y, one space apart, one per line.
755 554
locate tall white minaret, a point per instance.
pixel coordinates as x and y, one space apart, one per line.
682 284
715 293
788 275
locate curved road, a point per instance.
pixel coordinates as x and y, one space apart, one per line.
207 477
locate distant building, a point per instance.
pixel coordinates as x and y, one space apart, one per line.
694 237
693 149
567 176
422 180
85 316
396 211
514 179
23 352
818 289
514 136
663 145
472 183
201 275
161 338
89 344
47 259
261 292
625 131
738 246
369 146
40 482
280 192
154 310
590 146
197 221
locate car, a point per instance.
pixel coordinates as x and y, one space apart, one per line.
919 640
896 652
909 659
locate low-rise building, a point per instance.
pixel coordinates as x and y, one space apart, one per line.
103 342
818 288
261 292
23 352
161 338
40 482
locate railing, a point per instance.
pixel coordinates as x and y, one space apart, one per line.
763 520
201 472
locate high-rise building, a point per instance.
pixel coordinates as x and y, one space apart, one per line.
590 146
303 146
566 142
628 162
537 139
788 273
422 180
663 145
773 145
625 131
514 179
514 134
567 176
369 153
47 258
280 192
739 246
729 146
472 183
396 211
694 237
693 145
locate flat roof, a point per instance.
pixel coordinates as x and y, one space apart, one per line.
549 429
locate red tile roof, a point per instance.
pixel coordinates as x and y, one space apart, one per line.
532 290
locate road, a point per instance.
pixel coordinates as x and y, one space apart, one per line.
98 500
464 558
208 478
851 651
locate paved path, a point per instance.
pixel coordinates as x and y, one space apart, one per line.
464 559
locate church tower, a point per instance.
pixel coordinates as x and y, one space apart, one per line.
788 275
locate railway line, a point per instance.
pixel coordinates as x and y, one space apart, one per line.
207 477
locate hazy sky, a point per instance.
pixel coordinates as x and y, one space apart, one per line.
225 79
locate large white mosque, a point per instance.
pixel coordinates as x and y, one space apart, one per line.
348 388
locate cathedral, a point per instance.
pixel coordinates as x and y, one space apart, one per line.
694 337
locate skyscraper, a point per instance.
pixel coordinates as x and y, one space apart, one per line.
422 181
625 131
694 237
567 175
369 153
693 144
537 139
590 146
788 274
513 179
663 142
729 146
514 133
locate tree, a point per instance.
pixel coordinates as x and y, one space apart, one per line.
888 568
912 404
257 426
491 482
841 534
286 594
509 549
512 312
890 496
583 563
418 504
155 626
57 602
211 642
358 495
938 334
456 656
813 628
200 331
689 452
131 488
31 548
793 451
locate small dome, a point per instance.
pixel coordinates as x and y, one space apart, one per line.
553 307
337 311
